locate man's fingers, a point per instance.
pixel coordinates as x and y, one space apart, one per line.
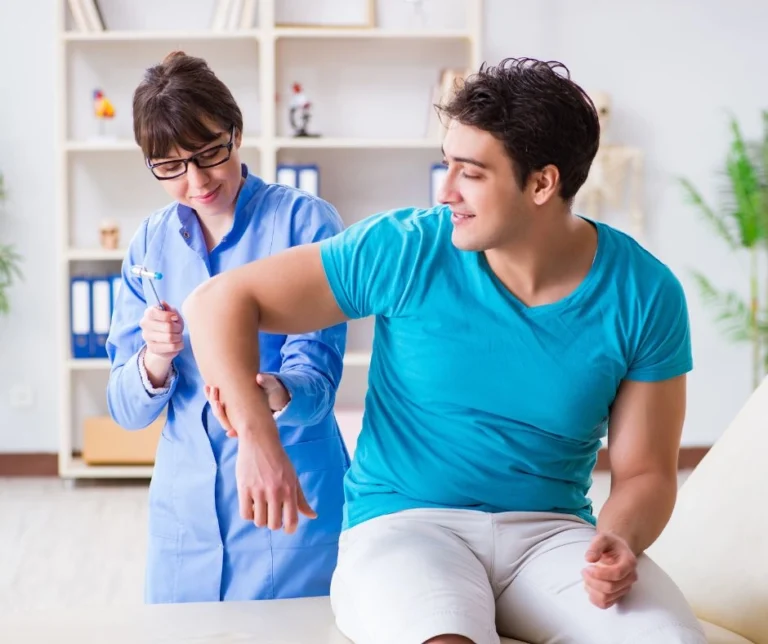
599 545
607 587
275 512
290 516
304 507
602 600
260 510
246 504
614 572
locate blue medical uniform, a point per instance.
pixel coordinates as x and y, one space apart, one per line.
199 547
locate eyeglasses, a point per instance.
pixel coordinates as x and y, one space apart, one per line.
209 158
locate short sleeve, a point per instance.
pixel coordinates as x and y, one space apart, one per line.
371 266
664 346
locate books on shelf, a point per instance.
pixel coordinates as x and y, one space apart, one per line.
86 15
441 93
234 15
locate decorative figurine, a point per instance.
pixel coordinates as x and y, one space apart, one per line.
418 11
103 109
109 234
299 112
614 166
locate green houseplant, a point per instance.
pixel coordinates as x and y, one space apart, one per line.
9 264
742 222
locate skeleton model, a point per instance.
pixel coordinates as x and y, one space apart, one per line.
300 111
614 167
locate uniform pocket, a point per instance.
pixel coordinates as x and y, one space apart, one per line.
162 573
315 455
324 491
163 521
164 542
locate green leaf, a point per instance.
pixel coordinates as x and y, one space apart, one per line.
746 189
716 220
9 266
731 312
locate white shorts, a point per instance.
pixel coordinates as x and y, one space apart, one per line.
408 577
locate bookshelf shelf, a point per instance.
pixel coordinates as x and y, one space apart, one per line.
95 255
128 145
95 178
159 36
373 34
353 143
76 468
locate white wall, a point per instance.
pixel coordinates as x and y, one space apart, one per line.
672 69
28 337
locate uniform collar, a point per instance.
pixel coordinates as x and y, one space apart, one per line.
188 221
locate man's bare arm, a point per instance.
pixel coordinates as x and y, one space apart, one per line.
286 293
643 443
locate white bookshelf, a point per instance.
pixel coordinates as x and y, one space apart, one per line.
90 169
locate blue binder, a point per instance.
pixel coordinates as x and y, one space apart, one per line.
80 316
304 176
101 315
116 281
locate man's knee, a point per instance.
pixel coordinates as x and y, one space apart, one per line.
670 633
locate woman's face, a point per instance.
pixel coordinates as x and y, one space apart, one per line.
209 191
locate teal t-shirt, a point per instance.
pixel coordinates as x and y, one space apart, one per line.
476 400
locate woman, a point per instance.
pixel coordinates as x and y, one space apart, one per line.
189 128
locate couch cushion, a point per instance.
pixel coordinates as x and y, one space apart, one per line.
715 545
285 621
715 635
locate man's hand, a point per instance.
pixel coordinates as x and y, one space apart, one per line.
268 488
277 398
613 569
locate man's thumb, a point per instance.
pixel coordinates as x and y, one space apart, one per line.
304 507
596 549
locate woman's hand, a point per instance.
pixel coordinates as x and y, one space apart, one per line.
277 398
161 331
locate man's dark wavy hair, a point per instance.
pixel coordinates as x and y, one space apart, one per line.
540 115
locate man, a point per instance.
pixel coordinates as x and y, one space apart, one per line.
511 336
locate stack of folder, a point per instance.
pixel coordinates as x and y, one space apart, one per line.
92 300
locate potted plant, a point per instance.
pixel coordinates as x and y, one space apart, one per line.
9 264
742 222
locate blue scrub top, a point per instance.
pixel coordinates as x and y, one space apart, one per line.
199 548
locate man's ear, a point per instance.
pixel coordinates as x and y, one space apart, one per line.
544 184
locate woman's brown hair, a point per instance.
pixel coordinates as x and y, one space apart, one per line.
176 104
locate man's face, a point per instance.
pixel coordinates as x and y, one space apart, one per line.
481 190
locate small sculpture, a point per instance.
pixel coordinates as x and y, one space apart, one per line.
109 234
300 112
614 166
102 108
418 11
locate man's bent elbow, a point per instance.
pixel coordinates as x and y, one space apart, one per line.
201 299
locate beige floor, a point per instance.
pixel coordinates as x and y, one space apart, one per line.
64 546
